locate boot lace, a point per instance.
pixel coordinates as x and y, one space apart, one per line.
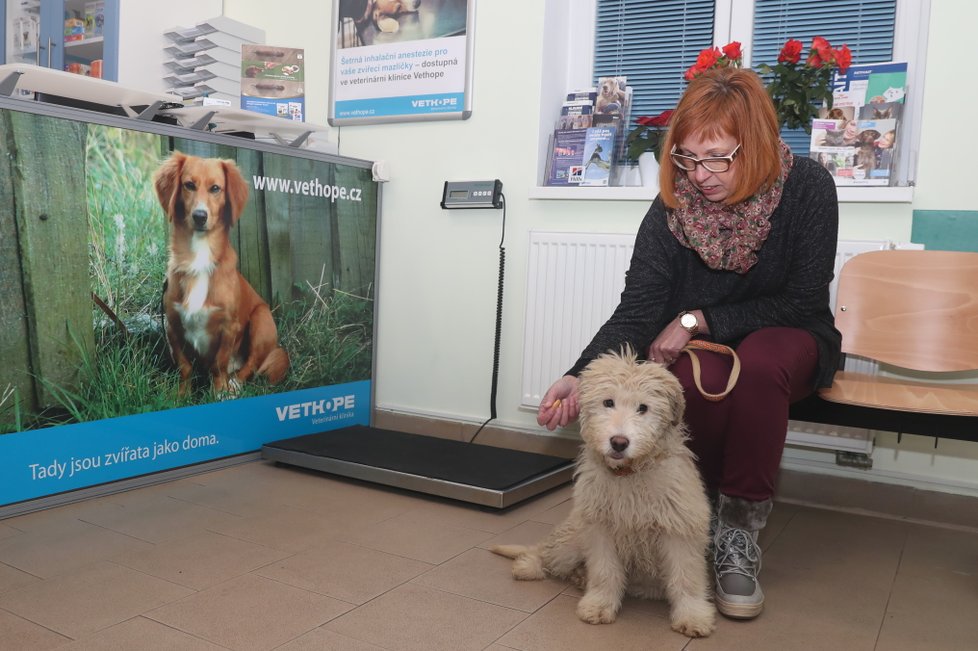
737 553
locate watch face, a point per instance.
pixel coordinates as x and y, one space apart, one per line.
688 321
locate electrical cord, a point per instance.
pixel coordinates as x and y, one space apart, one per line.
499 325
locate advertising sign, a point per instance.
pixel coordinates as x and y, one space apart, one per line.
401 61
169 299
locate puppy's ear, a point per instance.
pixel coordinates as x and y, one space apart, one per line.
677 402
166 181
235 191
672 391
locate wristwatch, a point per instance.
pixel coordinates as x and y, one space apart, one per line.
689 323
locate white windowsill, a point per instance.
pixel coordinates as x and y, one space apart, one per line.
846 194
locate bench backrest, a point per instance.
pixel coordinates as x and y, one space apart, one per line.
913 309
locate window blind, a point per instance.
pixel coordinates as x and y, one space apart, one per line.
652 44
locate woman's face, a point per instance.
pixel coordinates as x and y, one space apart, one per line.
886 140
850 131
715 186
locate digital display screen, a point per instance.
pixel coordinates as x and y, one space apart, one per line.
458 194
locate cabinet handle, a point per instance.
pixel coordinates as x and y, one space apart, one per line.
50 47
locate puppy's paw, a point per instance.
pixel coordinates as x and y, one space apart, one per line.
595 610
694 618
528 567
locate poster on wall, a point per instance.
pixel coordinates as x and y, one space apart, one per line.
273 81
401 61
207 297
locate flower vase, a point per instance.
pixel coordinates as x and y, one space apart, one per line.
649 168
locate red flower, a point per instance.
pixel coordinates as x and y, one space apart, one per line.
821 53
791 52
732 51
648 134
707 58
660 120
843 58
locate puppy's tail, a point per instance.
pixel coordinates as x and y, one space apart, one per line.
510 551
275 366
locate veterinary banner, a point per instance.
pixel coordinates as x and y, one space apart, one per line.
35 464
207 297
403 60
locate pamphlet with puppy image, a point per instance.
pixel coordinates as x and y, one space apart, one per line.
857 140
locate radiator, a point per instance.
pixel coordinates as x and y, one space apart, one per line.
574 281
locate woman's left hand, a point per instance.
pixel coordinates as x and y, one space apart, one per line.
666 348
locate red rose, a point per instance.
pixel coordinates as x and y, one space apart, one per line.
732 51
814 60
662 119
707 58
691 73
843 58
791 52
823 48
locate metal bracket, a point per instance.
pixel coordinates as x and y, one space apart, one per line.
853 459
9 83
201 124
150 112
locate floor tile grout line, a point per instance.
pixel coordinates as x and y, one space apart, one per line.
889 594
39 624
856 511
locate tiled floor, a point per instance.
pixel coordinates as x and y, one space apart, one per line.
258 556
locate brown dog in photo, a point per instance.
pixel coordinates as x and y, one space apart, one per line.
215 320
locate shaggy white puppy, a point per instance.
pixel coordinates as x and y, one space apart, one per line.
640 518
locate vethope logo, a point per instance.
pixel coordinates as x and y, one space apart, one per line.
315 407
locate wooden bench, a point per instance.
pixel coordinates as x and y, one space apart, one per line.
915 312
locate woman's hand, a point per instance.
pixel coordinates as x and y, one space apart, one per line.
559 405
666 348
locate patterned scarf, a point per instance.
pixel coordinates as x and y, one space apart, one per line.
726 237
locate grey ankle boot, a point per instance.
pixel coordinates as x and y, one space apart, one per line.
737 557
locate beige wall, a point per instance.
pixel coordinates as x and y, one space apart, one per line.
437 288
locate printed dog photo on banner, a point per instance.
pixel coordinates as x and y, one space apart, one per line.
374 22
145 274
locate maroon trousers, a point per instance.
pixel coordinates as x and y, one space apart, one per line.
739 440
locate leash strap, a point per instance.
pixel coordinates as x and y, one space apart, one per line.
699 344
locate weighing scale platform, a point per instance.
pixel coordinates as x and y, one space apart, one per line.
489 476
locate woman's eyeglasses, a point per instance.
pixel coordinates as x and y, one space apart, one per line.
715 164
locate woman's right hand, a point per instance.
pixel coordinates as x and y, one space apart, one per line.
559 405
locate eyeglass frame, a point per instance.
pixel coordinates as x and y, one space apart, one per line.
729 158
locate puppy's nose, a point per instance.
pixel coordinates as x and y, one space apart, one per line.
200 217
619 443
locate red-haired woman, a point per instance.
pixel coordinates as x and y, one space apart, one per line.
738 248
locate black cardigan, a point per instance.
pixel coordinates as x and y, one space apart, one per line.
789 285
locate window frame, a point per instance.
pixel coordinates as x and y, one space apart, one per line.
567 65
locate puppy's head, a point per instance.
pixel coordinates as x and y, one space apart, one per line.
629 410
200 193
609 89
868 136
